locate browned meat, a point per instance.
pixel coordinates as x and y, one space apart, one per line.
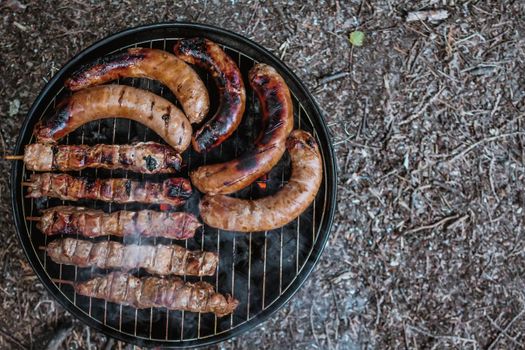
172 191
108 101
274 211
159 65
228 79
158 259
95 223
277 113
171 293
142 157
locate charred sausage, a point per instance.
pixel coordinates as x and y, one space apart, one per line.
277 113
209 56
109 101
159 65
268 213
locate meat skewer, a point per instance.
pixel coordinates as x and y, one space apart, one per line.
155 259
172 191
141 157
146 292
95 223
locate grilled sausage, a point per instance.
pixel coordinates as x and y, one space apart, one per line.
208 55
274 211
159 65
109 101
277 113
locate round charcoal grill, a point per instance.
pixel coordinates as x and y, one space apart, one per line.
262 270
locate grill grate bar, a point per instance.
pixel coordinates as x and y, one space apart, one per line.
133 83
281 250
298 219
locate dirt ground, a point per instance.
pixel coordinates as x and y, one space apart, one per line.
427 249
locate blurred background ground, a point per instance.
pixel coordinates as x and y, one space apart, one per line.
427 249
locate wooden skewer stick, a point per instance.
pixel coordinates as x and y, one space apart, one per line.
56 280
14 157
32 218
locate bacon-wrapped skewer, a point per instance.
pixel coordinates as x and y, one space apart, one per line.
94 223
172 191
155 259
146 292
141 157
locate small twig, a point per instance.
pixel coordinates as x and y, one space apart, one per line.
464 152
433 15
88 337
491 180
378 309
504 331
56 280
59 337
422 109
312 324
480 142
496 106
431 226
109 344
14 157
332 77
11 339
444 337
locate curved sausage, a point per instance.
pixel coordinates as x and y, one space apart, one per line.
208 55
277 113
268 213
159 65
109 101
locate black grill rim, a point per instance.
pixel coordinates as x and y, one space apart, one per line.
319 126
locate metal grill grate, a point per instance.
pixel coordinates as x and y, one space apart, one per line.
256 268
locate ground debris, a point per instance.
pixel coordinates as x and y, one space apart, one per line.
432 15
427 123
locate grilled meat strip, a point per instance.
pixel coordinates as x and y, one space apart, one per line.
95 223
172 191
155 259
142 157
171 293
